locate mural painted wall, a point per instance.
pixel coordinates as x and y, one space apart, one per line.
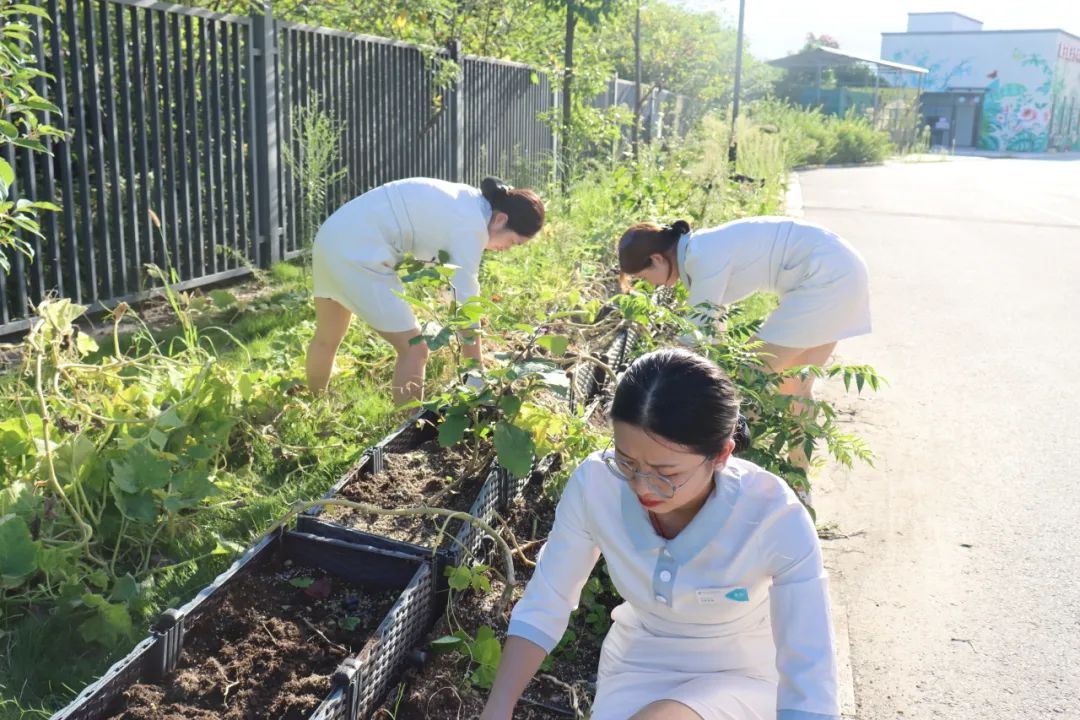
1018 72
1065 131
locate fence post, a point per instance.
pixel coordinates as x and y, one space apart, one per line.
268 229
457 115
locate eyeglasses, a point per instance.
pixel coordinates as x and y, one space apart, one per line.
663 485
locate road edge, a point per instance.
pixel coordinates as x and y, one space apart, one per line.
793 201
844 672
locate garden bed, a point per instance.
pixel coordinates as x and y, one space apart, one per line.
441 688
300 627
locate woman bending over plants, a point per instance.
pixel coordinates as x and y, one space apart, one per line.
726 612
358 248
821 280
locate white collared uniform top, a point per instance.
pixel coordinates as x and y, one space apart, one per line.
358 247
731 617
821 279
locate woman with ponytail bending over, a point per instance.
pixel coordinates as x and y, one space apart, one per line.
358 248
820 278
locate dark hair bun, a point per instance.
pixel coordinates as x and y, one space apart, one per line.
742 435
681 227
494 190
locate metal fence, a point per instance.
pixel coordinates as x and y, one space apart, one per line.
180 119
663 113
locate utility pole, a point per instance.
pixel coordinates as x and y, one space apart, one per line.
733 151
637 80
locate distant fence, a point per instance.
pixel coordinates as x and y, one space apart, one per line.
179 118
663 113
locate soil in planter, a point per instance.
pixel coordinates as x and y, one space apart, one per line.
428 475
440 689
267 650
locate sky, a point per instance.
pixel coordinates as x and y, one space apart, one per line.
776 28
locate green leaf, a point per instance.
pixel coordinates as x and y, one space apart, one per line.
7 175
246 387
124 589
223 298
510 405
138 506
110 623
227 547
481 583
29 10
18 498
484 676
445 644
452 429
60 314
555 344
348 624
18 550
7 129
28 144
73 456
302 582
142 468
515 448
459 577
41 105
85 344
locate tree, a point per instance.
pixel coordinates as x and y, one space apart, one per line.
686 52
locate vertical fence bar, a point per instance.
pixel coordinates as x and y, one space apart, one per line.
69 283
86 240
205 160
287 49
136 179
267 204
161 132
455 96
191 162
116 205
231 114
181 192
18 264
246 129
216 151
98 138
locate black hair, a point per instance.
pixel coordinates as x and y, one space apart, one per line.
681 397
524 209
643 240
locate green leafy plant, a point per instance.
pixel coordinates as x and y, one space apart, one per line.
484 650
20 126
311 157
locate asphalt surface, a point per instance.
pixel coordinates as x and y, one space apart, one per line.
959 551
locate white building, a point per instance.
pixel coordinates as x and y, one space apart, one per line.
1015 90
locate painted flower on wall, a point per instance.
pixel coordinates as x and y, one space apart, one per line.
1016 117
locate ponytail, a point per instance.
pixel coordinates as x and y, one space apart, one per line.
640 242
524 209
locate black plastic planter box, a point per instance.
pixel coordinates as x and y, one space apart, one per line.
490 499
590 380
358 684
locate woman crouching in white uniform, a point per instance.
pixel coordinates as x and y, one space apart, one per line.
726 612
358 248
822 282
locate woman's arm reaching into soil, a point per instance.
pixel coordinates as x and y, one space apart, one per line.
521 659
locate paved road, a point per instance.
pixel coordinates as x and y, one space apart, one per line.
961 572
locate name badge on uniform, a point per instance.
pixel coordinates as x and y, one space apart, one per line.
713 596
